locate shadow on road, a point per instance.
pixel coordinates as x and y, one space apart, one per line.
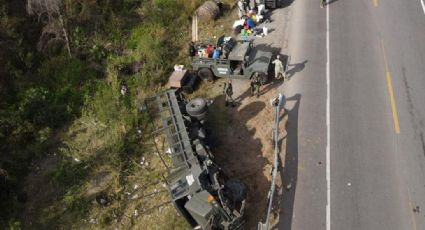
295 69
330 2
289 173
274 84
269 31
244 95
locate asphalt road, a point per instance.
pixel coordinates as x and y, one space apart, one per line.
377 145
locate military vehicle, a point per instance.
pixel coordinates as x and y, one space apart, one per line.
271 4
200 190
239 60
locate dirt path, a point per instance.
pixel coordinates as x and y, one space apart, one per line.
244 144
40 190
244 147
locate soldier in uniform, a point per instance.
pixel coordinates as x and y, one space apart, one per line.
241 9
278 68
323 3
246 5
192 49
228 92
255 85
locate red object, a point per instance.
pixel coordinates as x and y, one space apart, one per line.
209 50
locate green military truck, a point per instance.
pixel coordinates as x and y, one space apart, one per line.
271 4
198 187
239 60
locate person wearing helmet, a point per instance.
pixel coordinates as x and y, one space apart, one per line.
228 92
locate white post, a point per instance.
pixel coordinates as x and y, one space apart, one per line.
195 28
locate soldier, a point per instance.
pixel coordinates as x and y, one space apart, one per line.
192 49
255 85
252 4
246 5
278 68
241 9
323 3
228 92
260 7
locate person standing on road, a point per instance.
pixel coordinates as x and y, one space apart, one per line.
278 68
228 92
255 85
323 3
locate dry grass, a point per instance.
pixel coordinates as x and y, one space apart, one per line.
221 26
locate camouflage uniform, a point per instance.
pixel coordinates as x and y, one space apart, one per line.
255 85
228 92
246 5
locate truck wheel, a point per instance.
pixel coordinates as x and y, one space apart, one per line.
263 78
196 107
206 74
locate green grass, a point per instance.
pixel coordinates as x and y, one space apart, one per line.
64 106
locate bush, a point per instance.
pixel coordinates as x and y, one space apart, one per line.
14 225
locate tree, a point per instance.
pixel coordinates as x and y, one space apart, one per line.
51 8
3 185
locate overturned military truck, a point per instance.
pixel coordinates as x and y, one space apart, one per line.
200 190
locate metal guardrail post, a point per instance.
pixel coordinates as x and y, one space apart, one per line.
278 102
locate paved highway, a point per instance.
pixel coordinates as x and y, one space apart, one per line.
373 57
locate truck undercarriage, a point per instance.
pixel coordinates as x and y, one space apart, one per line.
200 190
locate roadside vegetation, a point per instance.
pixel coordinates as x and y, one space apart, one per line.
74 151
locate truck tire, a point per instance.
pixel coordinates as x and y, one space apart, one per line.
206 74
263 78
190 84
200 117
196 107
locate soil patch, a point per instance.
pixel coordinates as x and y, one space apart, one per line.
244 147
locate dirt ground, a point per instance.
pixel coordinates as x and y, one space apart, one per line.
41 188
244 147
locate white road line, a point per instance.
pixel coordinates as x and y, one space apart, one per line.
423 5
328 134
